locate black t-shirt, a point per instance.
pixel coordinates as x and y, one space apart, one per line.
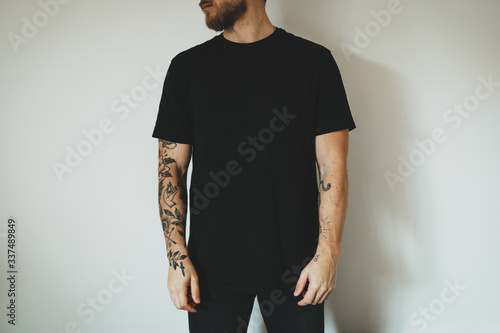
251 112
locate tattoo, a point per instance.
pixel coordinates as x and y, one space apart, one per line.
323 226
169 194
323 221
316 257
164 166
171 219
321 184
168 144
169 224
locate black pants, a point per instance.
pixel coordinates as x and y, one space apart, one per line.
228 312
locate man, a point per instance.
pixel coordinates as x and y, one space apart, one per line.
257 107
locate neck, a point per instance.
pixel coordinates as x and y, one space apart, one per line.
253 26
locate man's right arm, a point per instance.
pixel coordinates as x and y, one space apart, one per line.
173 162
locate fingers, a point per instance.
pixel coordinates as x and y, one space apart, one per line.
301 283
299 289
326 295
320 296
181 300
315 294
308 296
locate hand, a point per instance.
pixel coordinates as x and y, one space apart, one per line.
321 272
184 289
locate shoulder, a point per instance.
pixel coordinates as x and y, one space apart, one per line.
306 46
194 53
304 42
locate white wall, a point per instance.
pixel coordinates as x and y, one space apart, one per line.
402 246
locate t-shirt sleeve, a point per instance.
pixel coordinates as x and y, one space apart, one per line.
333 112
174 121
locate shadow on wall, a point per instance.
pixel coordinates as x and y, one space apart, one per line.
381 229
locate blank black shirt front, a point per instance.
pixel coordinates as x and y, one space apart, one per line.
251 112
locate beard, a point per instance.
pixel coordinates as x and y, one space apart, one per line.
226 14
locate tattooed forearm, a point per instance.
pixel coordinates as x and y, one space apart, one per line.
323 221
332 205
172 206
170 223
331 158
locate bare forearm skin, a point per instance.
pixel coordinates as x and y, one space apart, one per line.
172 199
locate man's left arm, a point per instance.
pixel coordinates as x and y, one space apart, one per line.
321 272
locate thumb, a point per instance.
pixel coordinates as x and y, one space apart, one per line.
300 284
195 290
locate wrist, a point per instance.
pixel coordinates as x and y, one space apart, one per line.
328 251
